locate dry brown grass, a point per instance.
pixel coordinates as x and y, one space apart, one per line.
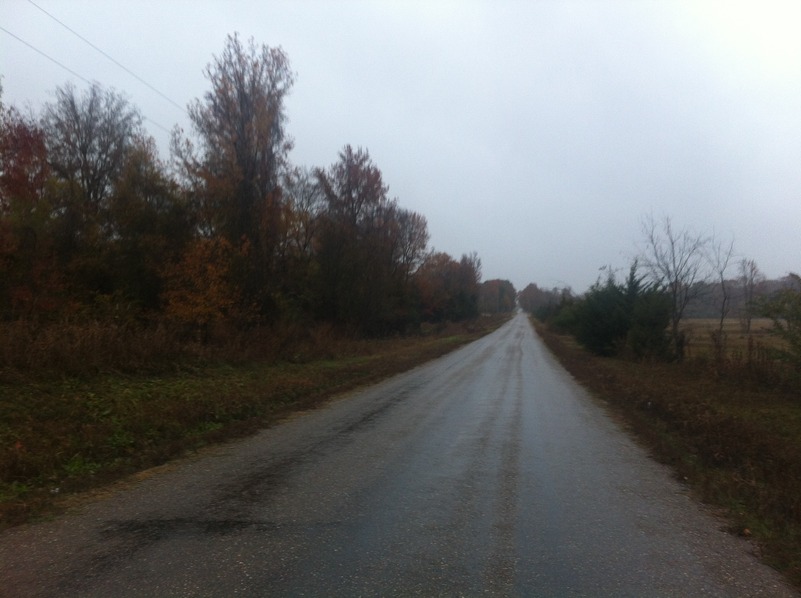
87 348
701 336
746 358
80 348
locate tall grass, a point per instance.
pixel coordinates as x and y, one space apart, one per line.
86 348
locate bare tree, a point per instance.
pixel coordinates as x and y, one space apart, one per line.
676 261
411 240
88 138
720 256
750 279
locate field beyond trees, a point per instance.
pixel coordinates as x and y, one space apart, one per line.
729 424
703 341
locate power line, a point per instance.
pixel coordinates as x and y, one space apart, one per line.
50 58
123 67
73 73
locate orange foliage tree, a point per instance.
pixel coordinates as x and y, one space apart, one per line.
448 289
199 290
30 282
497 296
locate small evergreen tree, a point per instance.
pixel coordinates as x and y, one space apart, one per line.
614 319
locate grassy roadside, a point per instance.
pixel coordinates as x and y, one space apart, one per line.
734 441
61 436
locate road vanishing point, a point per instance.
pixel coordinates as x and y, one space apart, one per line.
487 472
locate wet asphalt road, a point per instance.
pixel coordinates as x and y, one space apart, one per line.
486 472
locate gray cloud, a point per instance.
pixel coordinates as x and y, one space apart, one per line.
536 133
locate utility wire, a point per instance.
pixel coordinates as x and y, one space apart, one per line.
123 67
50 58
73 73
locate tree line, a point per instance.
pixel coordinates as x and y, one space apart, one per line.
94 224
678 272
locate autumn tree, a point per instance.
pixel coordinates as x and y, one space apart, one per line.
434 281
544 303
25 169
198 289
449 289
497 296
241 151
30 281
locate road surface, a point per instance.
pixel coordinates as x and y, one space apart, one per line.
486 472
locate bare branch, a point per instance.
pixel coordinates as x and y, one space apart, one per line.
675 261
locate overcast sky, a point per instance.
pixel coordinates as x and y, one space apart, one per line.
537 134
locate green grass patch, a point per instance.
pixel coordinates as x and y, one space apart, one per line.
732 437
63 435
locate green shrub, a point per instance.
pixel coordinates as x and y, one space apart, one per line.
630 318
784 308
